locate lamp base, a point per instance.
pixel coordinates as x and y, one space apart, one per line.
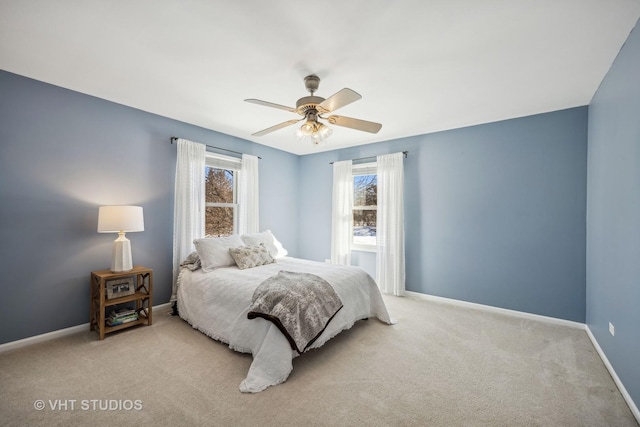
121 254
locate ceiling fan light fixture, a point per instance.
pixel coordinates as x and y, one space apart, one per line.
316 138
308 128
324 131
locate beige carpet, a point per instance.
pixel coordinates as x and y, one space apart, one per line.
441 365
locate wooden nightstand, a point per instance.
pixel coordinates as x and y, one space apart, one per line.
143 281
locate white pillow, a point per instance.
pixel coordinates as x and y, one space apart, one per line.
268 239
214 252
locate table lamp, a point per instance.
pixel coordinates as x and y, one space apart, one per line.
120 219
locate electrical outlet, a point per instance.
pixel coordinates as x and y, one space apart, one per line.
612 330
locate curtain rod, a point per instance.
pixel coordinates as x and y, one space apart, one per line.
175 138
373 157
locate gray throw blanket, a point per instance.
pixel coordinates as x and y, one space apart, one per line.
301 305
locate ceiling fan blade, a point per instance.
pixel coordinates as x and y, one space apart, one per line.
358 124
339 99
276 127
271 104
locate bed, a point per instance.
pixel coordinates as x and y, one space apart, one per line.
217 303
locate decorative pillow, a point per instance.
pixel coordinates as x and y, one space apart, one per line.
268 239
214 252
251 256
192 261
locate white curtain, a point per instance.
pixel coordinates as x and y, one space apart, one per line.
188 207
249 213
390 270
341 220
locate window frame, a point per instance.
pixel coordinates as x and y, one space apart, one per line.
369 168
227 163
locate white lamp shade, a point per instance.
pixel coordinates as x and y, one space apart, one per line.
120 219
114 219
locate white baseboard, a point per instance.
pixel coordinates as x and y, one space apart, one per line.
553 320
616 379
43 337
56 334
499 310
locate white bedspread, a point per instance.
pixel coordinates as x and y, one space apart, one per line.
217 304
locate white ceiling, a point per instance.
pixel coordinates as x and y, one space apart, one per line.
420 65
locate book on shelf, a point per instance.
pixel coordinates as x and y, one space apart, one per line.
115 321
121 312
121 315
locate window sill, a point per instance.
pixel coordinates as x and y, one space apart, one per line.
363 248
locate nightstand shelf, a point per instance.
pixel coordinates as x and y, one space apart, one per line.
128 298
143 278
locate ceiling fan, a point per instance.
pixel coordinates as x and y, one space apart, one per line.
312 108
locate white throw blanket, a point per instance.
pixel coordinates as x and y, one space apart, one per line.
217 304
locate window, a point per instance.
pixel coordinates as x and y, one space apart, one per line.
365 200
221 201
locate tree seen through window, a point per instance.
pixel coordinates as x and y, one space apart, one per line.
220 202
365 201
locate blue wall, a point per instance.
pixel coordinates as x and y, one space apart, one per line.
613 215
62 155
494 214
